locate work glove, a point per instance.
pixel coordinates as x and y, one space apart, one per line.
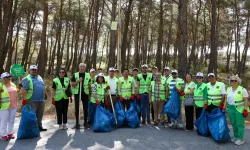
106 102
245 113
221 106
121 99
53 101
97 102
205 106
70 99
24 102
133 97
182 94
138 97
177 90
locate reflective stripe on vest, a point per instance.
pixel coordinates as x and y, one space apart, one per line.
214 95
85 83
175 82
162 91
126 87
198 95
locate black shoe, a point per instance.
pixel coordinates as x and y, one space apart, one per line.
42 129
143 122
86 126
89 122
76 126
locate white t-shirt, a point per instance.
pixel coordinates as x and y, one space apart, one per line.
112 86
230 96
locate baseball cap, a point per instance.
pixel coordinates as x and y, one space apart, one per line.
166 68
135 69
92 70
33 67
111 69
174 71
145 66
211 74
100 75
5 75
199 74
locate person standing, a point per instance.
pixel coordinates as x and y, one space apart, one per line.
112 82
138 102
92 76
154 71
157 94
237 108
60 97
33 93
180 84
126 89
200 94
8 107
215 93
81 78
144 80
189 110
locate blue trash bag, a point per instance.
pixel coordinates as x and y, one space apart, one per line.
201 123
120 113
217 125
132 118
172 107
28 127
103 120
137 105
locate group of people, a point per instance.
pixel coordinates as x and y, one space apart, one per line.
151 91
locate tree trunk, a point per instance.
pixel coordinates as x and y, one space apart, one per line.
137 36
160 38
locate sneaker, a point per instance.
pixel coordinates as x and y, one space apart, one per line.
180 126
60 127
42 129
171 125
65 127
239 142
233 140
11 136
86 126
143 122
5 138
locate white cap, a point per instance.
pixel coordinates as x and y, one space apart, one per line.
174 71
166 68
199 74
33 67
211 74
100 75
135 69
145 66
111 69
92 70
5 75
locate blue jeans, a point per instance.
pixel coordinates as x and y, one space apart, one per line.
145 107
179 119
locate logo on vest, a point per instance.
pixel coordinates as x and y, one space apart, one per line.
208 89
239 92
217 87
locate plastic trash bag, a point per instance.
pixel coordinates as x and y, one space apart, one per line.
132 118
172 107
201 123
137 105
120 113
103 120
218 127
28 127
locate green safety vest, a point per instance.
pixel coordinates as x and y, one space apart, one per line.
100 93
162 91
198 95
239 101
85 83
214 95
126 87
30 90
5 97
175 82
144 84
60 90
187 89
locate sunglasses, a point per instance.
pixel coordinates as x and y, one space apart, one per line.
174 73
233 81
198 77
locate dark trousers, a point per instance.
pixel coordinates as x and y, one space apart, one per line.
126 103
198 111
138 102
152 111
85 100
62 110
210 108
189 113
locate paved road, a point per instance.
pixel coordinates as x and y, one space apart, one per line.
143 138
